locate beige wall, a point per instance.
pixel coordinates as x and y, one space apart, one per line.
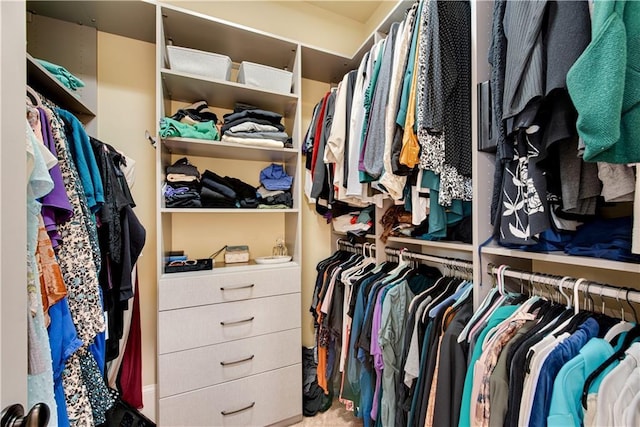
126 108
376 17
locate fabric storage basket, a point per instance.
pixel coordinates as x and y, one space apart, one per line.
206 64
265 77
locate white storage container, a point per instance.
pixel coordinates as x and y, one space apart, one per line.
265 77
206 64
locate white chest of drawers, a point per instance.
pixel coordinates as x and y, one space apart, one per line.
229 347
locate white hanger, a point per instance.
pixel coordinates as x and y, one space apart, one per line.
618 328
501 271
33 97
561 286
576 286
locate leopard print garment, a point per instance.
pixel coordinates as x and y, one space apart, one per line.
76 254
76 395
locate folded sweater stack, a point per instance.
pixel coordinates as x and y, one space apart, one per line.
226 192
195 121
252 126
182 189
275 191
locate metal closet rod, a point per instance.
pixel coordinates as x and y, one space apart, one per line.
348 244
467 265
594 288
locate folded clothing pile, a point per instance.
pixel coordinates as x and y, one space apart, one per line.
249 125
356 222
182 187
604 238
194 121
275 191
226 192
62 74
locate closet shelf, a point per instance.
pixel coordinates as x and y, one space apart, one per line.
457 246
223 211
366 236
187 87
562 258
42 80
222 268
198 31
227 150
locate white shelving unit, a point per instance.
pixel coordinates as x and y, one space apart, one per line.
226 150
247 316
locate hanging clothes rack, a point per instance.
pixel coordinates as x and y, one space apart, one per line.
363 248
451 262
594 288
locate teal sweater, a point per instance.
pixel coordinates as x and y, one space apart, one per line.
604 84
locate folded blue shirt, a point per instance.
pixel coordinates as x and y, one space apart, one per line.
274 177
604 238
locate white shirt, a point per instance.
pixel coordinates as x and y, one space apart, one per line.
540 353
613 383
632 412
394 184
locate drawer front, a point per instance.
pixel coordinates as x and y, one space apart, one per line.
206 366
196 290
259 400
212 324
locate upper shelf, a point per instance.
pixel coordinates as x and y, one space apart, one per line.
41 80
562 258
457 246
224 94
234 211
226 150
324 66
240 43
133 19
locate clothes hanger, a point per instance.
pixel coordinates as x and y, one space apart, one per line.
576 301
588 300
561 286
630 337
501 271
33 96
623 325
633 309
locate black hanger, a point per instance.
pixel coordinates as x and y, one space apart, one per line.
632 335
574 323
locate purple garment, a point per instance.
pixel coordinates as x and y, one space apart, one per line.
376 350
56 208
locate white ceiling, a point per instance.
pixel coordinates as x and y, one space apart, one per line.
358 10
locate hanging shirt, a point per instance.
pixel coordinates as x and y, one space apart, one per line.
498 316
612 383
557 358
566 407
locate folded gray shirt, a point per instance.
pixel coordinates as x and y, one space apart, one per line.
276 136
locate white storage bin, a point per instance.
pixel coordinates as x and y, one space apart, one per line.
265 77
206 64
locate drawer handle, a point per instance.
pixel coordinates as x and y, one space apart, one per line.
225 413
235 322
222 288
246 359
